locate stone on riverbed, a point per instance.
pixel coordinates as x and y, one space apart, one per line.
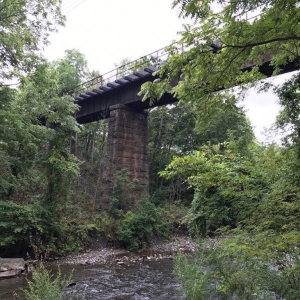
11 267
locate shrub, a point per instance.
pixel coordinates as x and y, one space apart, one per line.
16 223
107 226
46 286
25 226
121 193
175 215
159 196
242 268
136 227
194 276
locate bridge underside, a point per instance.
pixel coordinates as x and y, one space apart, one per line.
95 104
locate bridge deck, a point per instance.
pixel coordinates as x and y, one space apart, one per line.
94 104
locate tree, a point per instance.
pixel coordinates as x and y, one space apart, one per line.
252 198
72 71
25 26
179 130
257 200
171 132
220 44
224 189
54 166
288 118
37 165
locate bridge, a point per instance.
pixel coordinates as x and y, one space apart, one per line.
115 96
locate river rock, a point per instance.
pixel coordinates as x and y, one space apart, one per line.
11 267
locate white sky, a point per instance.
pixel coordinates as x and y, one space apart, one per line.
107 31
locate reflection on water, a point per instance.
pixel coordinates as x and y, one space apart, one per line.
139 281
8 286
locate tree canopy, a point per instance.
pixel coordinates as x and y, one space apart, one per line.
221 42
24 29
251 197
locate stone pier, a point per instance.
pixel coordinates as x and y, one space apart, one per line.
126 149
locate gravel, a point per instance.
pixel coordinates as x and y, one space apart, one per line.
104 255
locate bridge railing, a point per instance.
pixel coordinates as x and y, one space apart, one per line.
152 59
155 59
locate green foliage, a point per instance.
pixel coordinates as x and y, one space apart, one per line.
130 235
72 71
25 26
45 285
251 195
252 198
288 119
159 196
91 143
107 226
78 229
133 229
60 165
180 129
227 122
130 228
19 142
226 192
171 131
121 193
195 275
175 216
38 167
136 227
32 229
16 223
242 267
219 44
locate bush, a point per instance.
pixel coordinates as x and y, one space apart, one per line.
159 196
16 223
121 193
136 228
194 276
45 286
107 227
175 215
242 268
213 274
25 228
31 228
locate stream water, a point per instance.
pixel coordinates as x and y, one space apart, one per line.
135 281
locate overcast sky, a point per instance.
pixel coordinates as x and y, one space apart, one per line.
107 31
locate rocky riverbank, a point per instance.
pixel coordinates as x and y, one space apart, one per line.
104 255
15 267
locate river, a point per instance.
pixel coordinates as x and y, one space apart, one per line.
134 281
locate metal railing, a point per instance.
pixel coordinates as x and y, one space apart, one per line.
152 59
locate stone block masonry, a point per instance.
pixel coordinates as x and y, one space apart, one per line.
127 143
